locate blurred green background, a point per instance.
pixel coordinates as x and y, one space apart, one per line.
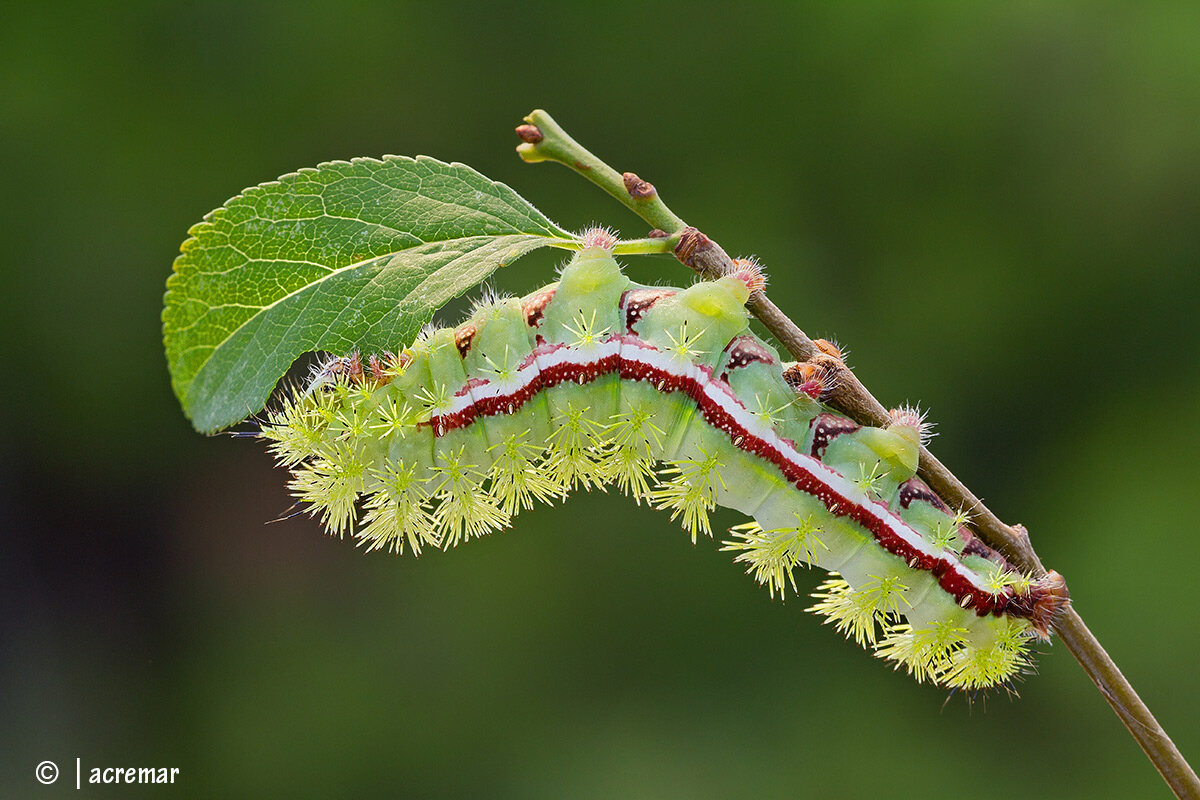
994 207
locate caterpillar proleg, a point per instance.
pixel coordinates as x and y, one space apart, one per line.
667 395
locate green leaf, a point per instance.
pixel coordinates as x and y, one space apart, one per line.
349 254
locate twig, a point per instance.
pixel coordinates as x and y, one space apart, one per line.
544 140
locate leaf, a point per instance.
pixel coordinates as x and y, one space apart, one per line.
348 254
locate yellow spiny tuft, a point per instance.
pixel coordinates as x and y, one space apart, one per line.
435 401
332 394
924 653
390 418
517 477
999 578
465 510
869 481
350 422
767 416
681 346
394 364
506 370
978 667
633 439
576 450
852 612
294 431
885 594
1021 582
331 485
690 492
773 555
945 536
587 335
397 513
360 393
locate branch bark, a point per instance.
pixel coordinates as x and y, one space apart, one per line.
545 140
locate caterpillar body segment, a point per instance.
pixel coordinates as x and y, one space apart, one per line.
664 393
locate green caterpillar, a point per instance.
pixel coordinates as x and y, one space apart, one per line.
666 394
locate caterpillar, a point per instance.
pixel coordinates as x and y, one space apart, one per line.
666 394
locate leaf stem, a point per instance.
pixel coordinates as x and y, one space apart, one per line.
545 140
656 245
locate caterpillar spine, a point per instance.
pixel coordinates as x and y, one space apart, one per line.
664 393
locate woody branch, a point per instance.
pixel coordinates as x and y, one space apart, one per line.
544 140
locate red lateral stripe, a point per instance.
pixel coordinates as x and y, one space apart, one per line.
948 571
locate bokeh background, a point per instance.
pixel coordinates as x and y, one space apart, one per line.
994 207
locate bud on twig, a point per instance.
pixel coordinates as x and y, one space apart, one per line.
530 134
638 189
